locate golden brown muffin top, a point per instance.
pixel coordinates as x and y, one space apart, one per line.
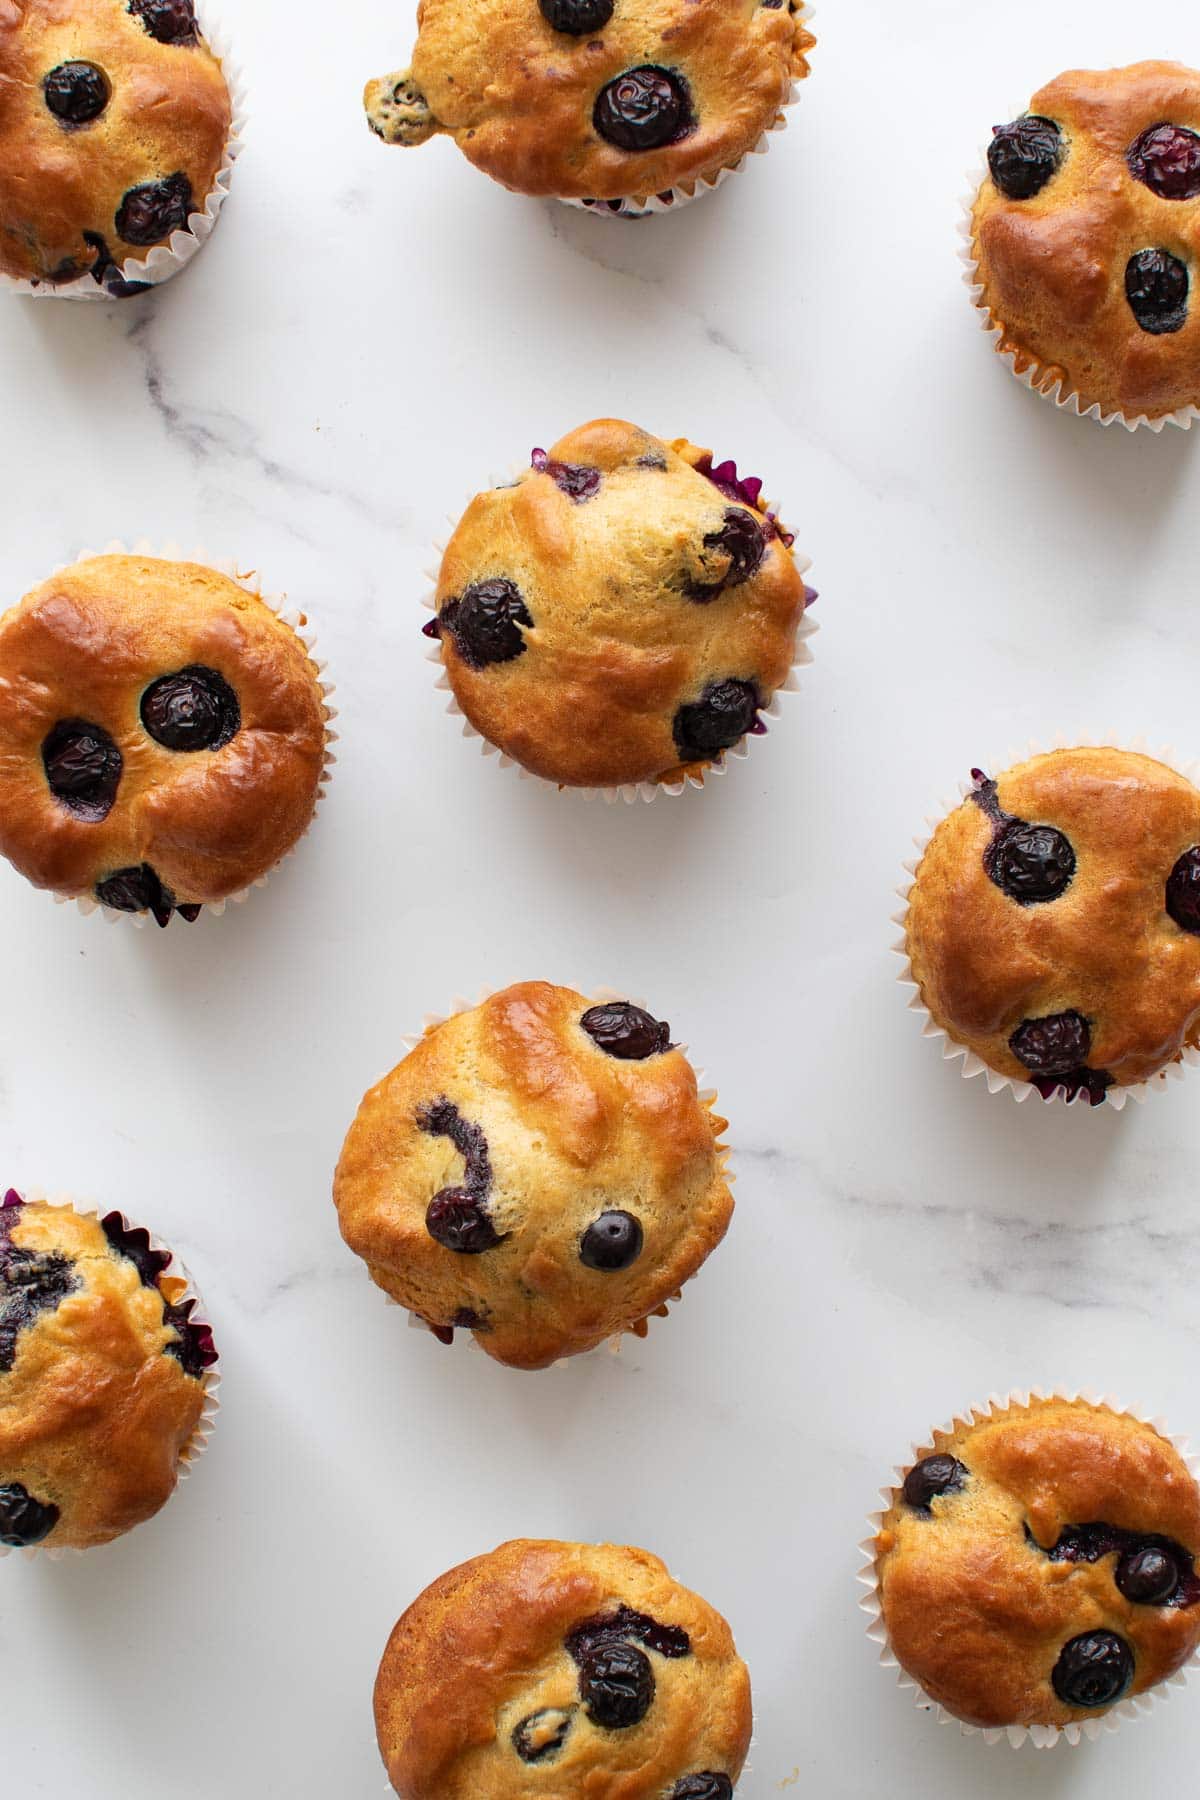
102 1376
1054 922
539 1170
561 1670
1019 1533
162 734
114 117
621 612
1119 175
628 98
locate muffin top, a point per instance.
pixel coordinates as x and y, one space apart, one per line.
562 1670
1085 231
102 1375
114 116
595 99
1054 923
162 735
540 1170
1037 1564
621 612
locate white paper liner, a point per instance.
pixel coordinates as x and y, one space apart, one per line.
610 1346
289 616
210 1379
973 1065
1042 1737
628 792
1037 378
164 260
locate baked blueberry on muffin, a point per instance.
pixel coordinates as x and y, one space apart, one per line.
162 735
573 1671
540 1170
622 613
602 101
115 119
1085 234
1053 925
1037 1564
103 1376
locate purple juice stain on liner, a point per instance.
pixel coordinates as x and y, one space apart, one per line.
195 1348
724 477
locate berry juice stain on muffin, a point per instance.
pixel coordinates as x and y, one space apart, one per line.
1038 1565
562 1669
622 614
539 1171
1052 924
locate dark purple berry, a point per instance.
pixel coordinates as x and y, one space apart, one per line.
1148 1576
137 889
485 623
1183 890
133 1243
170 21
1093 1669
710 1786
1156 286
616 1684
1052 1045
932 1476
643 109
76 92
1167 159
24 1520
621 1029
1094 1083
83 767
578 480
542 1735
741 539
458 1222
611 1242
618 1627
154 210
30 1284
577 17
193 709
1024 155
1031 863
722 716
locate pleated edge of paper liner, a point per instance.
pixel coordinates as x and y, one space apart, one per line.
210 1379
972 1064
289 616
1042 1737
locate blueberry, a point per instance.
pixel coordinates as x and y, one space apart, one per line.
1183 890
30 1284
1148 1575
458 1222
611 1242
76 92
578 480
137 889
151 212
1167 159
722 716
134 1244
621 1029
932 1476
616 1684
1031 863
83 768
643 109
1052 1045
1024 155
741 539
193 709
170 21
577 17
485 623
542 1735
709 1786
1093 1669
1156 286
24 1520
618 1627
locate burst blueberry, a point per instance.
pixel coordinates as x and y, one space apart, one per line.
83 767
1166 158
621 1029
1024 155
1093 1669
644 109
932 1476
76 92
193 709
1156 286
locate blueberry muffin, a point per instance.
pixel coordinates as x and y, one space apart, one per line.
115 118
563 1670
1037 1564
602 101
162 735
621 613
1085 233
103 1376
1053 926
540 1171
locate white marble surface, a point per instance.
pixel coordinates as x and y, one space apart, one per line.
366 337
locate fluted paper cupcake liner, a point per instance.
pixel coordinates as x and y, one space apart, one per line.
180 1288
164 260
297 622
1047 381
972 1065
708 1098
631 791
1042 1737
